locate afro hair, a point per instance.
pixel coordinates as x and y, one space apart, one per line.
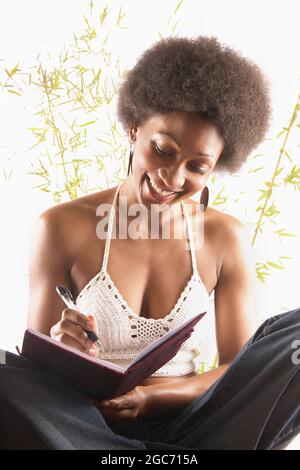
205 77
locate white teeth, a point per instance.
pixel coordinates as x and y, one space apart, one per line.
159 191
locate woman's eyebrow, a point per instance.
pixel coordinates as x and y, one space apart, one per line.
201 154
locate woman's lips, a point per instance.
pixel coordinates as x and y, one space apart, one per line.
150 192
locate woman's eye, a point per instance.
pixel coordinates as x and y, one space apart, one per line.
200 170
161 151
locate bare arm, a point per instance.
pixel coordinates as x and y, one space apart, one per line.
49 263
51 253
235 300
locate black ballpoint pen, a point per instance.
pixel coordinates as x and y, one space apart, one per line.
67 297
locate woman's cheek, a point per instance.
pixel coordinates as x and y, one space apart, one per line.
148 161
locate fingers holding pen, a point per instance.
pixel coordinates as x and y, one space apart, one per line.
71 331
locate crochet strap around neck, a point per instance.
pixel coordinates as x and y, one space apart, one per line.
110 227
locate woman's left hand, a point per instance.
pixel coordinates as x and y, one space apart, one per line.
133 404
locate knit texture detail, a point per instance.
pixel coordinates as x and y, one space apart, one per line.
124 334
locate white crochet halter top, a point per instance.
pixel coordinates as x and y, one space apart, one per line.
123 333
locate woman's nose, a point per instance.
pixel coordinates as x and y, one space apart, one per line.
174 180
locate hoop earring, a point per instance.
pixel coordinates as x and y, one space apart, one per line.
130 161
204 198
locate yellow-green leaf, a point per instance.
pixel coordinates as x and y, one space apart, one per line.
14 92
88 123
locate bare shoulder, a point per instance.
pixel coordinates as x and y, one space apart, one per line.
83 205
80 208
223 226
229 226
71 222
236 251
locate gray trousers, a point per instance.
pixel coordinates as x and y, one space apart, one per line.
255 404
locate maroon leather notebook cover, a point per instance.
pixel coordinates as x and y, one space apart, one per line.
96 378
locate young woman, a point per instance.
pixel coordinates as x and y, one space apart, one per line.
191 107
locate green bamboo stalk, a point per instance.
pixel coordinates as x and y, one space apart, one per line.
57 134
276 172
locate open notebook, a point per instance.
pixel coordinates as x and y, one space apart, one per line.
97 378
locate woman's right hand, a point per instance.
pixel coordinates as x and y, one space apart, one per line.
70 330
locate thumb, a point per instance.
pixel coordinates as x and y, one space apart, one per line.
92 324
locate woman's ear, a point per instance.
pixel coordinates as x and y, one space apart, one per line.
132 133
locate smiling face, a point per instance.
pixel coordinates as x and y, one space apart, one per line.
173 157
